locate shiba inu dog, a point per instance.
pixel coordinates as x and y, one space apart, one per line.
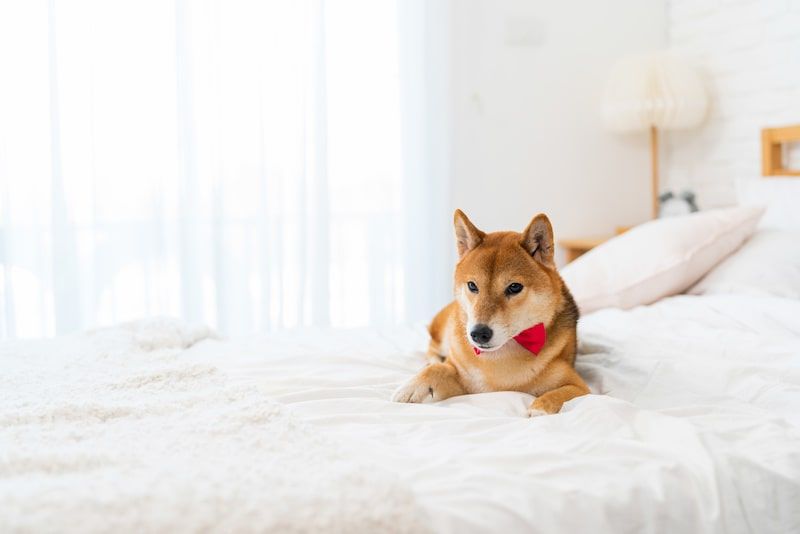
512 326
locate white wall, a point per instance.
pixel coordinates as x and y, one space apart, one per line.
528 135
750 53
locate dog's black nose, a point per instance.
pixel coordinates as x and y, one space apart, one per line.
481 333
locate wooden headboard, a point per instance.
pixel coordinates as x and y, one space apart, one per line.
773 141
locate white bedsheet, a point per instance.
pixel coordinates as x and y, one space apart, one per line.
692 427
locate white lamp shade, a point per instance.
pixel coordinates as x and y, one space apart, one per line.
654 90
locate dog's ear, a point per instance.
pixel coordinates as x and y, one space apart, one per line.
467 236
538 240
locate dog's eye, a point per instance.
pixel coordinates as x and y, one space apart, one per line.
472 287
513 288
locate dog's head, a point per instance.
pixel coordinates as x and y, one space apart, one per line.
505 282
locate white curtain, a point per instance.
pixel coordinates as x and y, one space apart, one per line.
253 165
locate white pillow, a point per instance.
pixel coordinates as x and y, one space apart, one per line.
657 259
779 195
767 264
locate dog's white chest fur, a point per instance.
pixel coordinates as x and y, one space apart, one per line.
474 380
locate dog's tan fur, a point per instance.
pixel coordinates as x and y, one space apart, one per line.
493 261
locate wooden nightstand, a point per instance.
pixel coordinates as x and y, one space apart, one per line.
576 247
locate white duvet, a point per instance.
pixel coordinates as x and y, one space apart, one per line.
694 426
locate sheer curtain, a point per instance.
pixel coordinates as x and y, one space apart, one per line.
251 165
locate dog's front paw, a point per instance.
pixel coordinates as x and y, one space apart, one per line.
415 390
543 406
536 412
436 382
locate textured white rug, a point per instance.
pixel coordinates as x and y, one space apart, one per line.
117 430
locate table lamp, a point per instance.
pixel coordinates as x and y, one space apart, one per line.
654 92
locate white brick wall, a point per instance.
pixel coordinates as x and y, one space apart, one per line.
749 51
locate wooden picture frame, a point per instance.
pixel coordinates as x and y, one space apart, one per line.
773 141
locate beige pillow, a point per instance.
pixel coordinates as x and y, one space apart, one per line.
657 259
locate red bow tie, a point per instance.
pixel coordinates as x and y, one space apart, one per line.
532 338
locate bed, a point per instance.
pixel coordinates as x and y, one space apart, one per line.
693 425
